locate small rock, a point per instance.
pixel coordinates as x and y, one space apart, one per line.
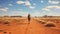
5 32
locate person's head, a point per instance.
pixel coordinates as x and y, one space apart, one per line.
28 14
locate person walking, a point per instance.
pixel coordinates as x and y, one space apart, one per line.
29 18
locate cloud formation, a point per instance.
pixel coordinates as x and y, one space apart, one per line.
26 3
48 8
20 2
52 10
4 9
41 1
53 2
32 7
10 4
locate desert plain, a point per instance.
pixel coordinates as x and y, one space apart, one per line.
20 25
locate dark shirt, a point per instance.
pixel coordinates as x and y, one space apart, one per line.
29 17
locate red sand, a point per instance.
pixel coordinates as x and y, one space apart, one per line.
21 26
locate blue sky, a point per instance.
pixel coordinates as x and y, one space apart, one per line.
33 7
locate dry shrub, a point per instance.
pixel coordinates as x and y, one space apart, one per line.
5 23
50 25
41 22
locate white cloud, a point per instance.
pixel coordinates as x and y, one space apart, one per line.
52 10
3 9
48 8
34 4
6 8
27 3
41 1
32 7
10 4
53 2
58 7
20 2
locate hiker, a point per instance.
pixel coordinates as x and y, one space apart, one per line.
29 18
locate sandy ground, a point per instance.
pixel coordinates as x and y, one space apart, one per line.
21 26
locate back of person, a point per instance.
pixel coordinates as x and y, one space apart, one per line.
29 18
